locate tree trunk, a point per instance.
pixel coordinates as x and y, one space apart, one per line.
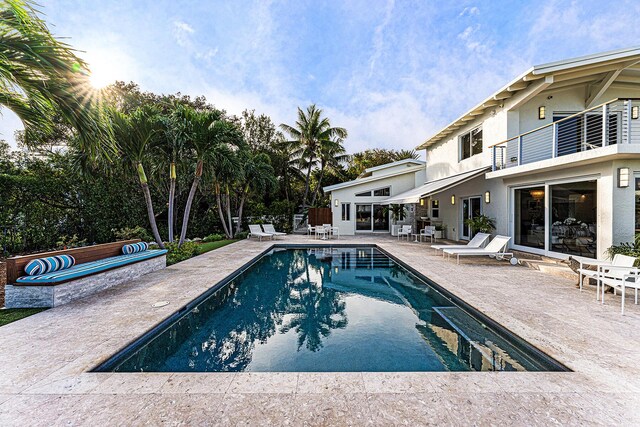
243 197
306 184
317 190
187 209
221 213
229 218
147 199
172 196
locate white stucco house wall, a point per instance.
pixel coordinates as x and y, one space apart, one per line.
356 205
553 157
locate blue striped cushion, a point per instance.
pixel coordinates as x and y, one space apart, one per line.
46 265
134 248
88 268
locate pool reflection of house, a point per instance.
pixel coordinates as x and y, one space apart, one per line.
553 157
452 333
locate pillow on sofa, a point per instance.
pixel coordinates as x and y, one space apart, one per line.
135 248
49 264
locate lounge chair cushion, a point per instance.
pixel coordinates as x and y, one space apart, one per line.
89 268
49 264
135 248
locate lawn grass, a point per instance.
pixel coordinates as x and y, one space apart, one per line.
209 246
12 314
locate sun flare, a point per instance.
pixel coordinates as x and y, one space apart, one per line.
103 71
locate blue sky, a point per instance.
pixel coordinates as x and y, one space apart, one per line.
391 72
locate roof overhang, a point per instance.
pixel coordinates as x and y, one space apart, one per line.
433 187
599 71
366 180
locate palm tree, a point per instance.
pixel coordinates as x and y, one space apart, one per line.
41 77
307 136
208 130
257 177
134 135
331 155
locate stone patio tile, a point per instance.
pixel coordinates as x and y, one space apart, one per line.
330 382
179 410
561 409
264 382
36 410
332 409
402 409
77 384
397 382
464 382
103 410
481 409
132 383
190 383
256 409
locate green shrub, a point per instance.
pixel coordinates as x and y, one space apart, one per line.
136 232
241 235
627 248
213 237
68 242
481 224
177 253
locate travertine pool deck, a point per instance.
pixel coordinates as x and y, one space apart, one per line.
45 359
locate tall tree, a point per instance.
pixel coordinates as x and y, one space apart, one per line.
41 77
332 155
208 130
309 131
134 135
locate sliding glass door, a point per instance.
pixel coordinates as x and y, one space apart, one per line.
557 218
372 217
471 208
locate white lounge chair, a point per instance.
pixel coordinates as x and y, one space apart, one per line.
270 229
630 278
256 231
618 260
405 230
476 243
496 248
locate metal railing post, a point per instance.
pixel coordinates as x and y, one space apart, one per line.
605 140
554 140
493 154
628 107
519 150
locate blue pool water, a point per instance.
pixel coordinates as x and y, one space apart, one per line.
328 309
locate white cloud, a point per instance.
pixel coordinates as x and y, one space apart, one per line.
469 11
378 36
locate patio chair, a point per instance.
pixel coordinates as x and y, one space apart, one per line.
618 260
495 249
323 230
256 231
630 278
405 230
310 230
429 231
270 229
476 243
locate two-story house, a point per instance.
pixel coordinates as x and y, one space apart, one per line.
553 157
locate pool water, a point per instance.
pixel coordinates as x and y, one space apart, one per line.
327 309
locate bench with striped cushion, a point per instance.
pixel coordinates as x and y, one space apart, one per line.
88 268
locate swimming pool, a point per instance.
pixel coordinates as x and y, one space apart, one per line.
337 309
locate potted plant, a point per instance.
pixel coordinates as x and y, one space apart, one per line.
439 231
481 224
398 213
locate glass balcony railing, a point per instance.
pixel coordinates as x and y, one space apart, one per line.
614 122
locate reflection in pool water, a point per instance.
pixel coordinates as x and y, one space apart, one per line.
327 309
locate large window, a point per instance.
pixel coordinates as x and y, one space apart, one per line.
637 182
529 219
346 211
363 217
372 217
567 226
471 143
435 209
573 218
382 192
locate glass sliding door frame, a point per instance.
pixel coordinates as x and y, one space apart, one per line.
547 213
377 220
467 211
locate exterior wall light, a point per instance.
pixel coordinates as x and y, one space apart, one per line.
541 112
623 177
453 199
635 112
336 202
487 197
421 202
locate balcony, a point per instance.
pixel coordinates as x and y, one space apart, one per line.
591 131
